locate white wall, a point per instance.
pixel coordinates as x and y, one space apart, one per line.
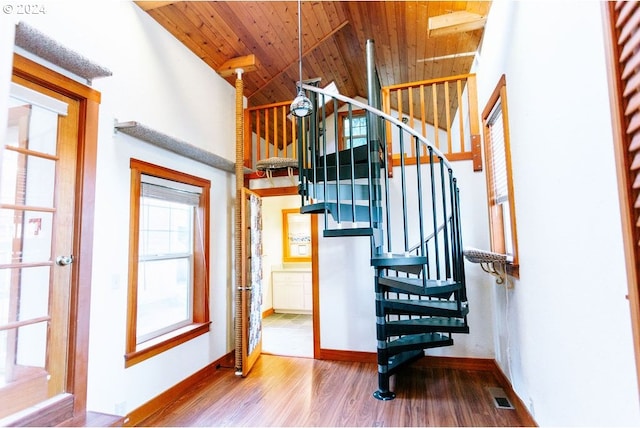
563 333
159 83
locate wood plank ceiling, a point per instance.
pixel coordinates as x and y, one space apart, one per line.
334 34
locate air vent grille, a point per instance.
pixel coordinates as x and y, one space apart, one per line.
500 398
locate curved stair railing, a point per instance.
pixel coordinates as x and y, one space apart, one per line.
413 220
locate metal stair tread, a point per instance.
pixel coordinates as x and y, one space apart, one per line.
424 325
361 170
360 155
448 308
390 260
416 285
346 211
348 231
418 341
398 360
348 191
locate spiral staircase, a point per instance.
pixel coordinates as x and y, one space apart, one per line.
412 219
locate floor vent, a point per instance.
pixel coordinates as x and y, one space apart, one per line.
500 398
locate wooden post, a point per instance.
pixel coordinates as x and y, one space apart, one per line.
239 65
238 216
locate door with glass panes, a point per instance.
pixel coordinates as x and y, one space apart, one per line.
37 209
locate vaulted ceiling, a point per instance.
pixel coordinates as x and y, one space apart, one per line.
414 40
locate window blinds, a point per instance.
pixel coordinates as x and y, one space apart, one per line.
158 188
498 158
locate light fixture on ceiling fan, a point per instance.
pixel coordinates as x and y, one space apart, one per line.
301 105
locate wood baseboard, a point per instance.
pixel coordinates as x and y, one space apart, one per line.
268 312
351 356
137 416
520 408
459 363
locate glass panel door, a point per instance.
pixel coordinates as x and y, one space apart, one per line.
37 182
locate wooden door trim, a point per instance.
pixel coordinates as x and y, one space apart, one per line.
620 146
89 99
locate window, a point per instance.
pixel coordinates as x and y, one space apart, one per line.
352 131
502 217
168 259
296 236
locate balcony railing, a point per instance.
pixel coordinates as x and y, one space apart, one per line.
269 132
444 111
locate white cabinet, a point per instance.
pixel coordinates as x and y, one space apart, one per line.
291 291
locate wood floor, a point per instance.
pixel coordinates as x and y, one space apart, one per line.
284 391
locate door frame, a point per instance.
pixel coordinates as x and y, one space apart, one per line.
623 160
73 404
315 274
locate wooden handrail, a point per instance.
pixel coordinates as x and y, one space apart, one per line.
428 82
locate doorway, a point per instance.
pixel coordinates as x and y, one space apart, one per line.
288 326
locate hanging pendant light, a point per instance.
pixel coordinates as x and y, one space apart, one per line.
301 105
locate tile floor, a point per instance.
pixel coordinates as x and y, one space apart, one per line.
288 334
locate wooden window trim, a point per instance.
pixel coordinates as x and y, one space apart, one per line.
286 252
496 222
136 353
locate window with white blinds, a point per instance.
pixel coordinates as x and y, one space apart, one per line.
498 158
165 261
168 274
159 188
500 198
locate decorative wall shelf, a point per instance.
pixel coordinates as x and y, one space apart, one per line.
158 139
43 46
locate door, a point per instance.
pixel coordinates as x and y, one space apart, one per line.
251 287
37 191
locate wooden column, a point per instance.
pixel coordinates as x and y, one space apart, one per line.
238 66
238 216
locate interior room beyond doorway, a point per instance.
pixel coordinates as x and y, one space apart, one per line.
287 299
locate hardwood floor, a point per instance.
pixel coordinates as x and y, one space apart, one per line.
284 391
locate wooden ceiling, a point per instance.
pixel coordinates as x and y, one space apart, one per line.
334 34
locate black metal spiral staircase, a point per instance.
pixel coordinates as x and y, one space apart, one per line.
420 289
